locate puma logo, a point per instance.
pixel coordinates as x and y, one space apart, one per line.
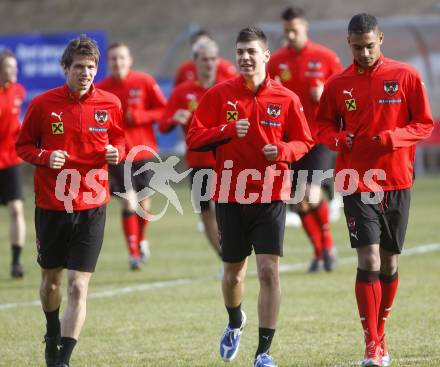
233 104
58 116
349 92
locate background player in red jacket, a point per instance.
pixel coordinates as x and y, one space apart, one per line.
70 134
11 186
373 114
179 111
143 104
303 66
187 70
256 127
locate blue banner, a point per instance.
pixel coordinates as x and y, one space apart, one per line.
38 57
39 69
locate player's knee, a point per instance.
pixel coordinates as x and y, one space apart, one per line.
232 279
370 262
388 266
15 210
50 285
77 289
268 275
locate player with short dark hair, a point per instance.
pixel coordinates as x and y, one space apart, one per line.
70 134
187 70
143 104
256 127
11 186
304 66
180 108
373 113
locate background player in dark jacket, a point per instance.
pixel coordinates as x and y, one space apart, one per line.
11 186
70 134
143 105
383 109
303 66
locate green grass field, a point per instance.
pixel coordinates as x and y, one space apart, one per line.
171 313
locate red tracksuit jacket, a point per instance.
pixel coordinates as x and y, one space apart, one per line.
301 71
276 117
186 96
141 95
58 120
11 98
187 71
388 101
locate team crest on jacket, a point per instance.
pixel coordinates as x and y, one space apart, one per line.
273 110
101 116
391 86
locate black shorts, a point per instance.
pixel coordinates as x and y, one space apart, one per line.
11 184
319 158
246 226
138 182
202 205
69 240
384 223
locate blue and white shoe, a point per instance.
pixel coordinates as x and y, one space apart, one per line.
230 340
264 360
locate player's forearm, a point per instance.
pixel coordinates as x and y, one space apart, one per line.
293 150
201 138
406 136
31 154
146 117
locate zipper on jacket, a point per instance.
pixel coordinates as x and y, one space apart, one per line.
80 117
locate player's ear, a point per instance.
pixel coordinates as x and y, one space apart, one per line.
266 55
381 38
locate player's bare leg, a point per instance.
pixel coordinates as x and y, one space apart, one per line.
17 233
233 283
268 301
75 313
270 290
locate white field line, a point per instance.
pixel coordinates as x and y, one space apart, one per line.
185 281
415 360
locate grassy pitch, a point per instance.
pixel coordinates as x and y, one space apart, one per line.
171 313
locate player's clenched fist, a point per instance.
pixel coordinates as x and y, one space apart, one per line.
242 127
57 159
182 116
270 151
111 154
